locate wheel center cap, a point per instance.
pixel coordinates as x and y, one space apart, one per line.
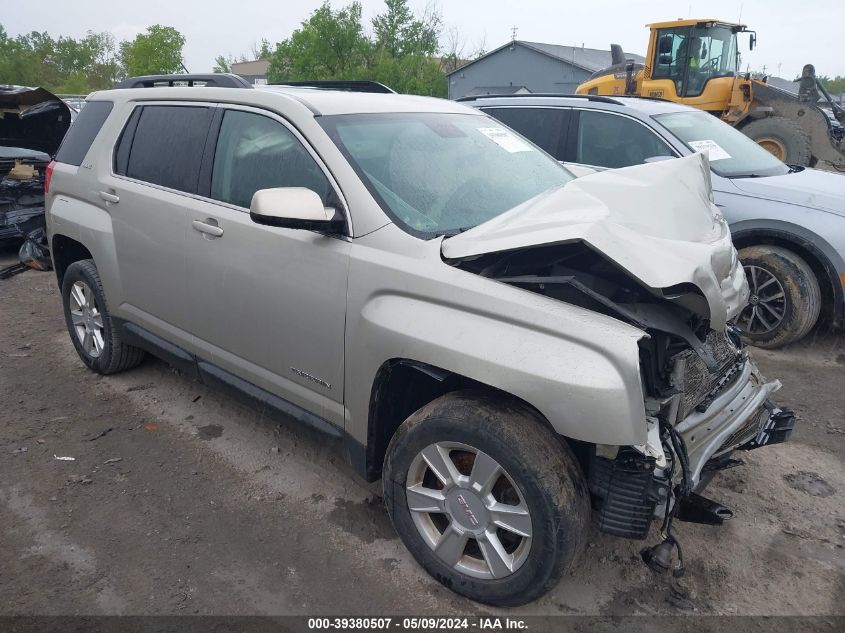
754 300
467 509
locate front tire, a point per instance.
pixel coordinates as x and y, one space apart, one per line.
785 297
486 497
92 330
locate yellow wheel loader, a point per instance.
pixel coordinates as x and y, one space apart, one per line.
695 62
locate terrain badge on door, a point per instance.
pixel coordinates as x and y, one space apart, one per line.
305 374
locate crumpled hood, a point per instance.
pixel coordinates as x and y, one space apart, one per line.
809 188
656 221
32 118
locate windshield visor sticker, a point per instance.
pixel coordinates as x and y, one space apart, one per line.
506 140
713 150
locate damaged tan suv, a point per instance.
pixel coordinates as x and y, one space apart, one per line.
513 352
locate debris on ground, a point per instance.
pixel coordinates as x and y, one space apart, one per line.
22 449
35 251
113 460
101 434
11 271
64 459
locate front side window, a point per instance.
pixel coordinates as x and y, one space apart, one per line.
611 140
731 153
441 173
256 152
166 148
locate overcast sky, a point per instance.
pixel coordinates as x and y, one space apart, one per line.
790 34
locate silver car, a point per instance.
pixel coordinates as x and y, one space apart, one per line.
510 350
788 222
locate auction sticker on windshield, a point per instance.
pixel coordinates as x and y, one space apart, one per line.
713 150
504 139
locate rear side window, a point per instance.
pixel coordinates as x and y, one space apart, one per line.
255 152
166 147
82 133
545 127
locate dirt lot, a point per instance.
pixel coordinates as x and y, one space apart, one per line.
180 502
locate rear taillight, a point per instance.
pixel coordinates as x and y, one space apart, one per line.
48 176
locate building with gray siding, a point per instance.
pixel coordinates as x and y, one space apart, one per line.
521 66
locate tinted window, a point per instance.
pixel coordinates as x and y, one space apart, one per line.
167 146
610 140
545 127
82 133
255 152
124 144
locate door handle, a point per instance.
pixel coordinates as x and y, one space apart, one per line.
109 197
208 229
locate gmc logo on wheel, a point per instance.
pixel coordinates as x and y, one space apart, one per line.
470 514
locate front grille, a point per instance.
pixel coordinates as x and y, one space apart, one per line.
700 385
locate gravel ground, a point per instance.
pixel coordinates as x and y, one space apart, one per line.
180 501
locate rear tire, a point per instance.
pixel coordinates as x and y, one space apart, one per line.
533 512
783 138
781 284
94 335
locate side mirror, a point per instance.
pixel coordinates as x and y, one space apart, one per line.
294 208
752 40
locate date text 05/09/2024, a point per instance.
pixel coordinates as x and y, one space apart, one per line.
417 623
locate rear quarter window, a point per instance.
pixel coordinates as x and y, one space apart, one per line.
166 146
82 133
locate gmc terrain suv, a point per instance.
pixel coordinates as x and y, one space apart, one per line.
513 352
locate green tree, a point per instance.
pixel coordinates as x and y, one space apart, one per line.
332 45
329 45
400 33
64 65
157 51
835 85
223 64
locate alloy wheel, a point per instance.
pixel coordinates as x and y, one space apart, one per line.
469 510
86 319
767 303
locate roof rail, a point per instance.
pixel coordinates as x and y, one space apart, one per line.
211 80
597 98
341 84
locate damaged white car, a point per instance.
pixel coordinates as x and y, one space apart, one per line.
512 351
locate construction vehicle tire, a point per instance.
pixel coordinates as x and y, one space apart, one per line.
783 138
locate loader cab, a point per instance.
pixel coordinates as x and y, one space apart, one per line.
692 59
